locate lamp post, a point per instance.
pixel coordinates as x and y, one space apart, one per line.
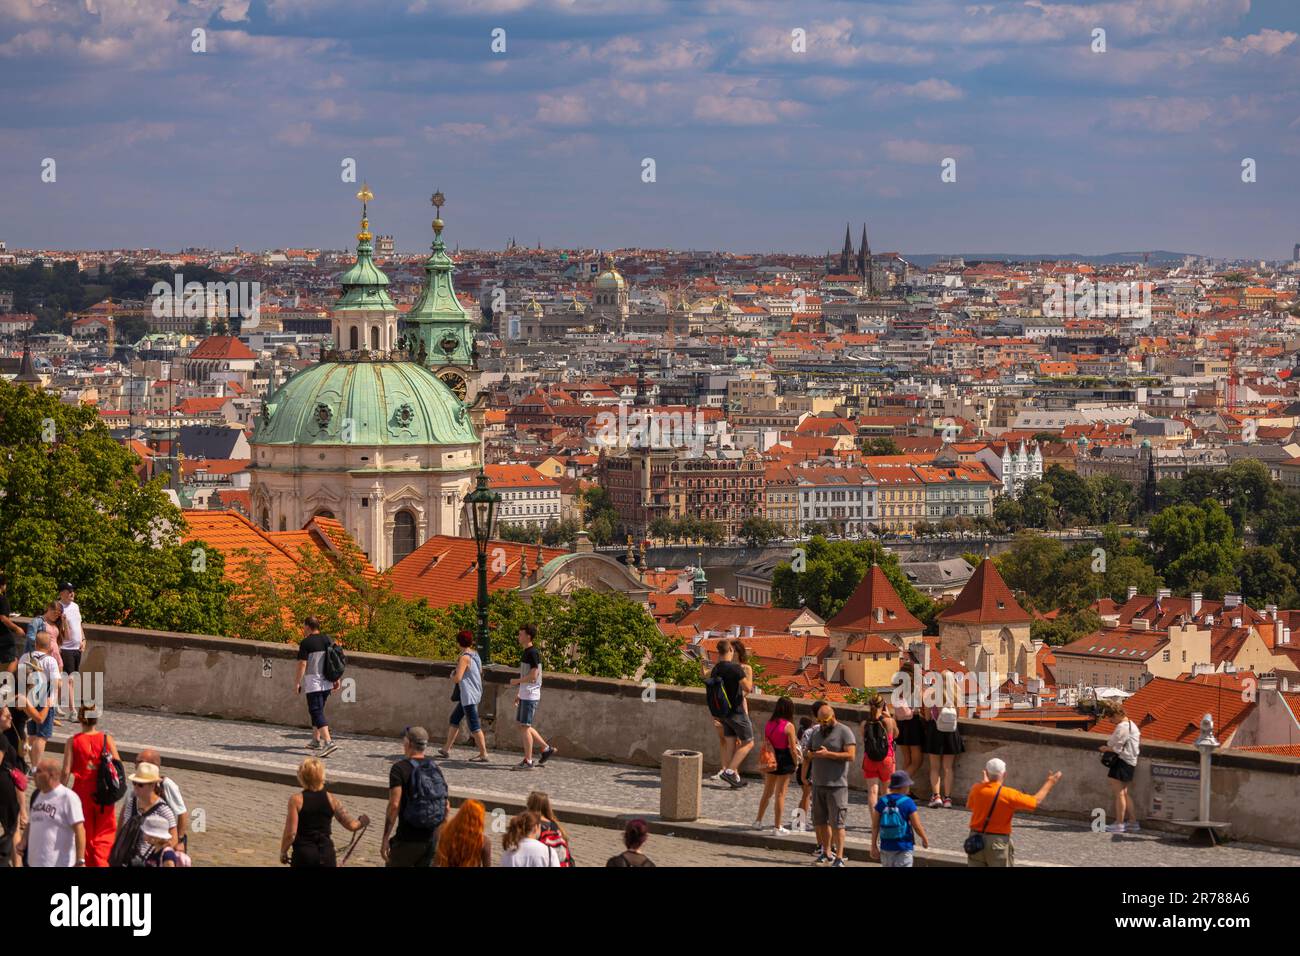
483 503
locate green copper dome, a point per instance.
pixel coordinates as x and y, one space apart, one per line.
379 403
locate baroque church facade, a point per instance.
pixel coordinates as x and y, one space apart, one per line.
381 433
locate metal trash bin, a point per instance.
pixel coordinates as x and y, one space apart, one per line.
680 780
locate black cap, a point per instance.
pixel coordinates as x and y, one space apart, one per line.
66 586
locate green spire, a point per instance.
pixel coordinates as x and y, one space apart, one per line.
364 285
437 323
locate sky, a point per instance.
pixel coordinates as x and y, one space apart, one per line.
759 142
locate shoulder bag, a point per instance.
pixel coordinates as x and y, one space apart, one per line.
975 842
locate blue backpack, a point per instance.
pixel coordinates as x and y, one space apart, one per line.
426 796
893 825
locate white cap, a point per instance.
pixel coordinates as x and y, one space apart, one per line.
996 767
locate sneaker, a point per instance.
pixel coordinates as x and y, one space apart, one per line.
757 825
1133 827
936 802
820 857
523 765
314 746
947 803
1115 828
442 752
547 754
329 748
733 778
781 831
838 861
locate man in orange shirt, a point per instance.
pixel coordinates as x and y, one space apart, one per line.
993 820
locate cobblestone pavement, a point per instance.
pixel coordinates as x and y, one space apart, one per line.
636 789
243 820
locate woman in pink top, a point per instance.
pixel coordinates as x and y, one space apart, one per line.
778 736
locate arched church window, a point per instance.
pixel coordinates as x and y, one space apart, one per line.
374 338
353 340
403 535
266 520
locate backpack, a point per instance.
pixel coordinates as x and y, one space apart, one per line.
716 696
426 796
335 662
876 740
110 782
128 838
946 722
893 826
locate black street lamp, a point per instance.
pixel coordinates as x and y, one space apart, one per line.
483 503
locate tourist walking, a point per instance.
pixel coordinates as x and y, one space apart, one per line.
992 804
806 727
464 841
522 843
634 837
529 696
146 834
73 642
553 834
725 691
307 839
1120 755
417 805
311 678
879 731
780 758
943 743
831 750
83 755
896 823
13 784
56 832
468 678
171 794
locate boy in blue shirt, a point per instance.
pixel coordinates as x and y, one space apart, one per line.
896 824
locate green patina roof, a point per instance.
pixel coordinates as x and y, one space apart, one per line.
364 285
388 403
437 315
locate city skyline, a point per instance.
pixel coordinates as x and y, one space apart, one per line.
757 147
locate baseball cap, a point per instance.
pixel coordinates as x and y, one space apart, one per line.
67 586
417 736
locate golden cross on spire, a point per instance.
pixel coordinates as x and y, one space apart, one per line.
365 195
438 200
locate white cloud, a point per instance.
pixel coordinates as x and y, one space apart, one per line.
566 110
920 152
935 90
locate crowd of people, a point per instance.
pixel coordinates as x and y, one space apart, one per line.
84 810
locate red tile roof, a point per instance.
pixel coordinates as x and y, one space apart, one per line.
222 347
1171 710
442 569
985 599
875 592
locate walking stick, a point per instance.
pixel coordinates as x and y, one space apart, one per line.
356 838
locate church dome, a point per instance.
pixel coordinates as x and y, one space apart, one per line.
610 279
386 403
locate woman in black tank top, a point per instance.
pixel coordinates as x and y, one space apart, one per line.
310 819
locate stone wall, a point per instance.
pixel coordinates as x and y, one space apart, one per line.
622 721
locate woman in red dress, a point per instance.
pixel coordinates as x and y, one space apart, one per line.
81 773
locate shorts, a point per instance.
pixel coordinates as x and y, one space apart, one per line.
316 706
998 851
408 853
45 729
830 806
895 857
941 744
71 660
737 725
784 763
467 712
526 712
878 769
1122 771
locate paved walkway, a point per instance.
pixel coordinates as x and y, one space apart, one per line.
243 821
636 789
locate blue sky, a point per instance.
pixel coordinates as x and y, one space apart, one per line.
757 147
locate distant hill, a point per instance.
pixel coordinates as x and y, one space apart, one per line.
1158 257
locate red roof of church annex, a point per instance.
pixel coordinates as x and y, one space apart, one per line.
986 599
222 347
859 611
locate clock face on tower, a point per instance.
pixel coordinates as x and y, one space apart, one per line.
455 381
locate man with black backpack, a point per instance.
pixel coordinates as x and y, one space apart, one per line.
320 669
724 691
417 805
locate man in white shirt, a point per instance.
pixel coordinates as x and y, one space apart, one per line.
56 835
73 644
38 677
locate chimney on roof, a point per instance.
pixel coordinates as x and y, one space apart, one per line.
749 631
1131 593
1286 636
1270 610
735 630
1278 631
880 615
1163 593
1268 682
1231 600
1196 603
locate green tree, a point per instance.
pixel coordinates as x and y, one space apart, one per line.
758 532
833 569
72 508
1194 547
880 445
1266 578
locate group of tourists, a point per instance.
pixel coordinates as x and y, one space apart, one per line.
897 739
